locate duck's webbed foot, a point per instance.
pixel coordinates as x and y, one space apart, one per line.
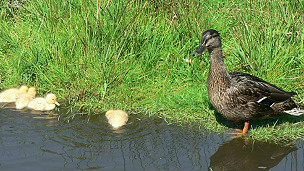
240 132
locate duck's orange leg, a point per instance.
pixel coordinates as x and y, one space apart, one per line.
246 127
242 132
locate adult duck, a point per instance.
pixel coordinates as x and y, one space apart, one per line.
238 96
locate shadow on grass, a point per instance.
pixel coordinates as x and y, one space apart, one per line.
258 123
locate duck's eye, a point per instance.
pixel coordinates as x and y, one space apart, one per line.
204 42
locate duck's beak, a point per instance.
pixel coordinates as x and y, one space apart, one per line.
56 103
200 50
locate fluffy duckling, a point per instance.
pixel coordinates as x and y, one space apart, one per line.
24 99
117 118
11 95
44 104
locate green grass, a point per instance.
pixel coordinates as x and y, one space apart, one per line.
97 55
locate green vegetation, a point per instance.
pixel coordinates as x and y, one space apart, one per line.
97 55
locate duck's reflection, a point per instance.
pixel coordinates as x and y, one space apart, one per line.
243 154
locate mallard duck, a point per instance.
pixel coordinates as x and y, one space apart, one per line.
117 118
44 104
11 95
24 99
238 96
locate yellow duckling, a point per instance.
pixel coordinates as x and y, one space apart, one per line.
117 118
24 99
44 104
11 95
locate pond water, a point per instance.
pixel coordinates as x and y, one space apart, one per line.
41 142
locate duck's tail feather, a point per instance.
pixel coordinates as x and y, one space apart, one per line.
295 111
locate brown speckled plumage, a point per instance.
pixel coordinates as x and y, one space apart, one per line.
240 96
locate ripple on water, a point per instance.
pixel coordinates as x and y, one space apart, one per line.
35 141
84 133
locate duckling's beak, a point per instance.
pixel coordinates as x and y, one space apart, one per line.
200 50
56 103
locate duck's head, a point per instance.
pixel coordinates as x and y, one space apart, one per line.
23 89
211 39
32 90
52 99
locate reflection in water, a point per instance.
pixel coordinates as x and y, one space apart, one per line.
39 141
52 119
245 154
145 144
35 142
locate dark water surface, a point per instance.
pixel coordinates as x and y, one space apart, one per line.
39 142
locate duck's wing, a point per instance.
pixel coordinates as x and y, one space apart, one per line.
246 87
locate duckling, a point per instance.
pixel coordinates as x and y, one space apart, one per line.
44 104
11 95
117 118
241 97
24 99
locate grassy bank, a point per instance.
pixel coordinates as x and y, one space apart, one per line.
97 55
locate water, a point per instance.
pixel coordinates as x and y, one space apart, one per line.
40 142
